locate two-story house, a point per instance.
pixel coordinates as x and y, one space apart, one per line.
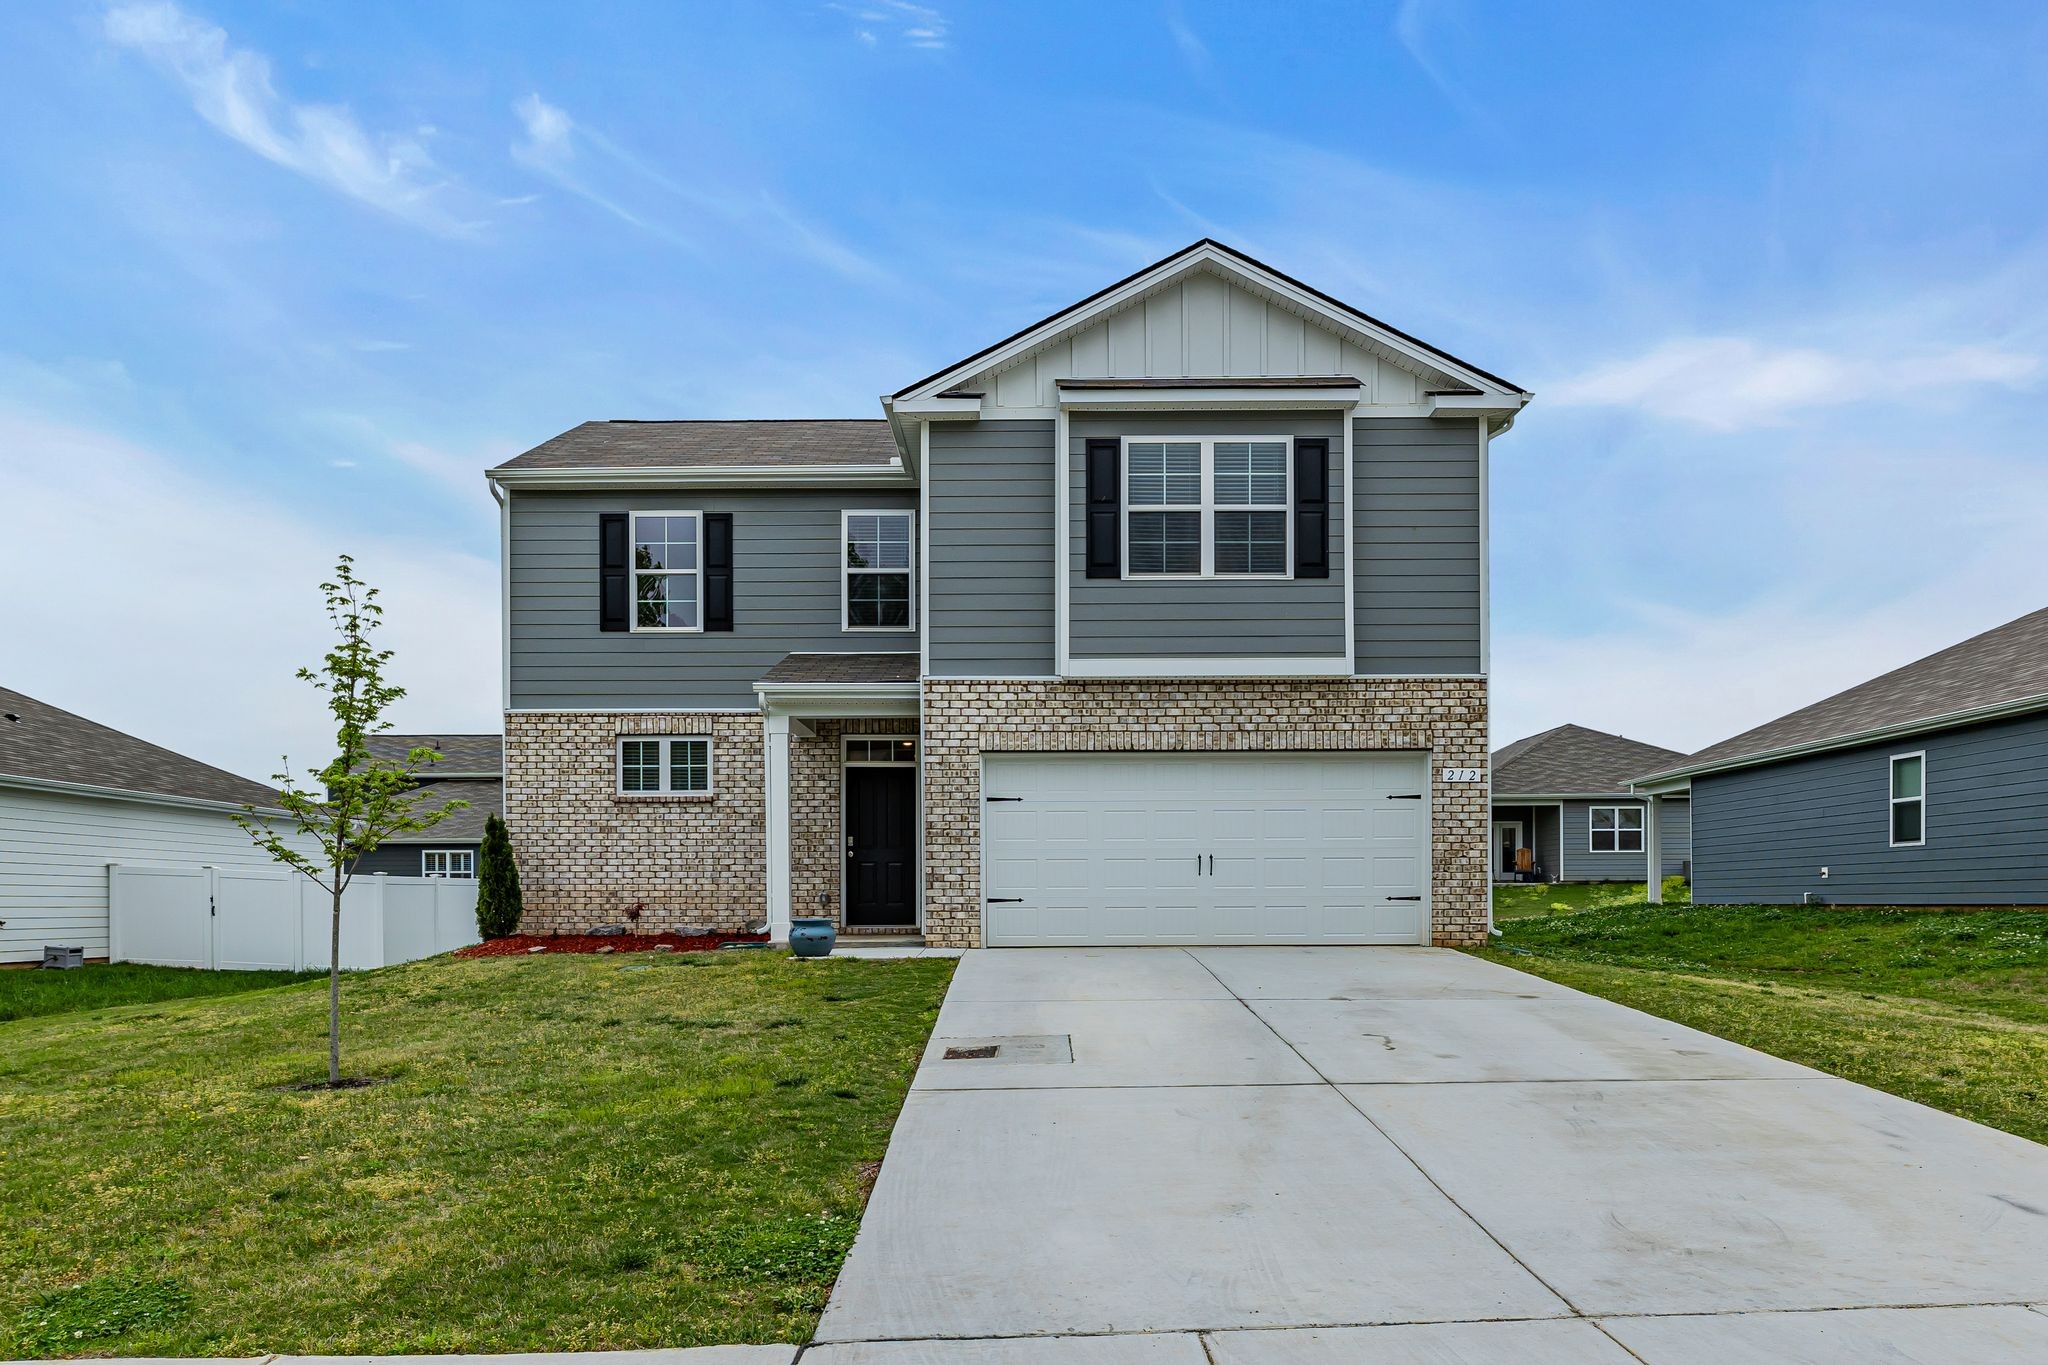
1163 620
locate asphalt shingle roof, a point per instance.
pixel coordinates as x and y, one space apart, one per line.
844 668
793 443
1572 760
2005 664
459 753
486 797
47 744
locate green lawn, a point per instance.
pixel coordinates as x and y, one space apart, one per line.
565 1153
1527 900
27 992
1948 1007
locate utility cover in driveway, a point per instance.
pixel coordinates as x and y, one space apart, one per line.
1086 849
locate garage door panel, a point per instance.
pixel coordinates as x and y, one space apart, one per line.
1306 848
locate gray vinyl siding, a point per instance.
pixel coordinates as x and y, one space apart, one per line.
1764 833
1580 864
787 563
1548 840
400 860
1416 535
1211 618
990 491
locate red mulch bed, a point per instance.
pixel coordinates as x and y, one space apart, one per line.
518 945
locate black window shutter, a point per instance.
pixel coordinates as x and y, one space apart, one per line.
1105 504
614 571
1312 507
718 571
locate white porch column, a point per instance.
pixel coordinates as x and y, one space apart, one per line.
776 759
1653 847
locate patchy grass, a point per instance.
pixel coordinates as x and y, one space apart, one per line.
1947 1007
1534 900
30 991
565 1153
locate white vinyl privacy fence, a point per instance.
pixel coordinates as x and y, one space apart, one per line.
253 918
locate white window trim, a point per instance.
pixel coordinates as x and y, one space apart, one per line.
635 573
846 758
1641 831
469 853
847 571
619 764
1207 508
1891 786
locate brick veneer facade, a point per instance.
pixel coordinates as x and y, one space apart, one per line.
586 853
964 718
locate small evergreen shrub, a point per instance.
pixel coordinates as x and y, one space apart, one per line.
498 903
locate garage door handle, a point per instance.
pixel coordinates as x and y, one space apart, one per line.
1005 900
1406 796
1404 898
1002 798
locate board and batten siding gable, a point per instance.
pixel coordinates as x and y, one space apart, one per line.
1415 541
787 567
54 851
1208 618
1581 864
989 489
1200 326
1762 834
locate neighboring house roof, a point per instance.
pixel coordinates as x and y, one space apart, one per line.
459 753
1573 761
2003 669
794 443
844 668
486 798
1213 252
40 743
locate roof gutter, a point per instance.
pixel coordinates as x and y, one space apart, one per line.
891 475
1951 720
41 784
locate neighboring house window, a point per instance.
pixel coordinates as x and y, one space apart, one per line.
1208 507
1909 800
667 584
447 862
878 567
665 767
1617 829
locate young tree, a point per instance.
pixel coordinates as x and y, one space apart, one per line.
498 903
361 801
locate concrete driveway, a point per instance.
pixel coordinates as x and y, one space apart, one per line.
1250 1156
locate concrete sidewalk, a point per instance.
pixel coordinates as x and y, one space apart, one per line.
1262 1155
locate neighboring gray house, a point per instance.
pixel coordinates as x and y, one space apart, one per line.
1926 786
1163 620
76 796
472 769
1563 795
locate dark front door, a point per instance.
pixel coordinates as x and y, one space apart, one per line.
881 846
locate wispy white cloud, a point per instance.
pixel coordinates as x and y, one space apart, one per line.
231 88
216 588
551 143
1193 51
1730 383
1415 24
897 22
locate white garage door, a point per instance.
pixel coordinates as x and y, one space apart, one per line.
1205 848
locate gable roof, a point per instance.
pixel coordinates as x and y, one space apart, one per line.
465 826
1572 760
1234 264
40 743
795 443
459 753
2003 669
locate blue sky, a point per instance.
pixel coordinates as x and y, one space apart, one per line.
283 279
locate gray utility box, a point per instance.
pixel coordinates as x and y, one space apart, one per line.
63 957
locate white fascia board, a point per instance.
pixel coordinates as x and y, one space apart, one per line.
1264 397
893 475
1309 666
38 784
1546 798
1976 715
1493 406
936 409
825 701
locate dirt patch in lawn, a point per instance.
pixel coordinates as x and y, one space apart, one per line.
517 945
